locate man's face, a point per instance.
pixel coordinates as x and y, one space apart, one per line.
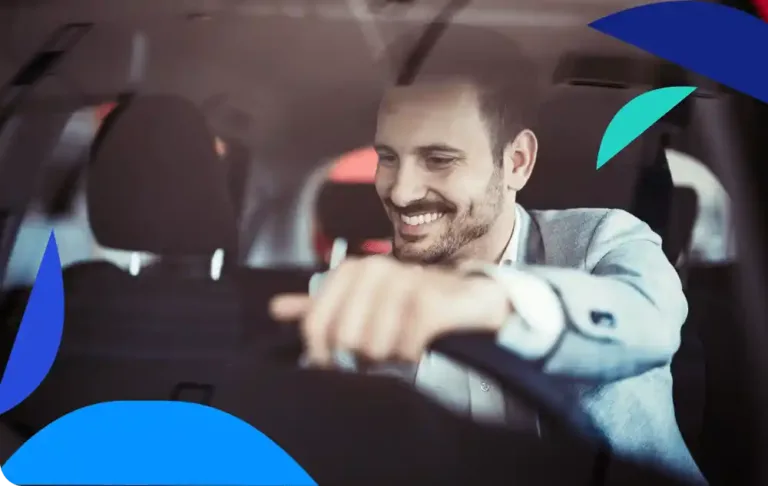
436 176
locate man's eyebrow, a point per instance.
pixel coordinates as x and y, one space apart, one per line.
383 148
439 147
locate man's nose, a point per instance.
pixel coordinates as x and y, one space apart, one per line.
409 186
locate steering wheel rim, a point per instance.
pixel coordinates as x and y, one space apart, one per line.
517 377
520 378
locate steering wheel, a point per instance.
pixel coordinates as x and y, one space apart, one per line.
525 380
517 377
520 378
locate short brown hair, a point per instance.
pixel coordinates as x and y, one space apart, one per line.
505 79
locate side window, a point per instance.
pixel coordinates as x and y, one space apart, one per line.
59 204
713 232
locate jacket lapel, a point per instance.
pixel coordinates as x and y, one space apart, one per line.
531 250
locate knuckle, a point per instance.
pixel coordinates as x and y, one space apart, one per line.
344 267
374 353
410 354
347 341
377 263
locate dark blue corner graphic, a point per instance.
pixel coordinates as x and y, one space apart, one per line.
721 43
39 334
156 443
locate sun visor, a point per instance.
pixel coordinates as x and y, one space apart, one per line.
597 70
622 71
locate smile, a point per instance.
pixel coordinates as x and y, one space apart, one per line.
420 219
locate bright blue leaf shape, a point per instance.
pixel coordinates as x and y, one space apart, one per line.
152 443
719 42
636 117
39 334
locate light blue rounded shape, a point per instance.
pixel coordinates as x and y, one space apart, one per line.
637 116
152 443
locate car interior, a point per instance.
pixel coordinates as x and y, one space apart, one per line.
194 159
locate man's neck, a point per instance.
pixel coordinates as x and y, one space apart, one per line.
491 246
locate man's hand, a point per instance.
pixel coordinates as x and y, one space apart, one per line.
384 310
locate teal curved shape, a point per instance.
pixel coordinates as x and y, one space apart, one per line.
39 334
155 443
637 116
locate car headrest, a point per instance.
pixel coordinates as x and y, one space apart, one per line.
570 126
155 183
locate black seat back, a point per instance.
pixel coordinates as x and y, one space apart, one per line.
154 185
725 450
654 190
565 175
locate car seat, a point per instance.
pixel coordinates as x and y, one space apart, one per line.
153 185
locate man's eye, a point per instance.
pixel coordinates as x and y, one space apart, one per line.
386 159
440 160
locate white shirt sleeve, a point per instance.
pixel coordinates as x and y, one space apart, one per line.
539 319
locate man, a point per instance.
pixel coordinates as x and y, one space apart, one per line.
587 292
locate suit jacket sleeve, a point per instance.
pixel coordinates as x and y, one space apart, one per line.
619 318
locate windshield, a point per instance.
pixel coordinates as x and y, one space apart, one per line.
252 96
251 136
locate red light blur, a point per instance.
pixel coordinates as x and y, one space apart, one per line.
356 167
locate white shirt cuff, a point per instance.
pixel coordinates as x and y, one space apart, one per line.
539 319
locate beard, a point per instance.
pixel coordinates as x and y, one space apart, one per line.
464 228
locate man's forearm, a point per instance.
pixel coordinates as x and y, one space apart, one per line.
613 344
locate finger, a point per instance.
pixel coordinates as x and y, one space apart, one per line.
424 310
289 307
386 320
358 312
411 319
317 326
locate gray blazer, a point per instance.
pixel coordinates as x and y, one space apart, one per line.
623 307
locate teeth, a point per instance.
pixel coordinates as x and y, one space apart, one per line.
421 218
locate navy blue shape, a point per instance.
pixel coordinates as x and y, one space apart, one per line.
721 43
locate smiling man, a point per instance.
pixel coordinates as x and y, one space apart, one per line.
586 293
444 205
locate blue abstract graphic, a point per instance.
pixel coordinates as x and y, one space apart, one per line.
39 334
719 42
636 117
153 443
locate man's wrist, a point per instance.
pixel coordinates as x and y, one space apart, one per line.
537 322
491 298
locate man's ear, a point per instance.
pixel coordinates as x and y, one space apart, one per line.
519 159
